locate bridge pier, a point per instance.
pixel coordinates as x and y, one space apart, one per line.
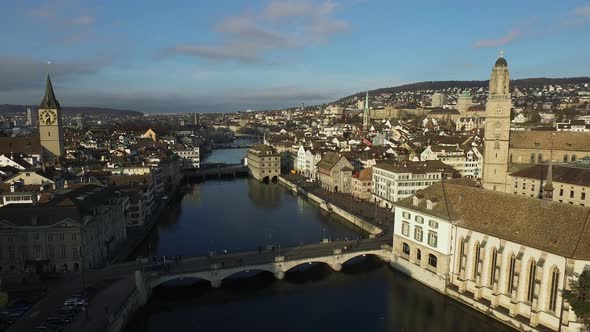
336 266
280 275
215 283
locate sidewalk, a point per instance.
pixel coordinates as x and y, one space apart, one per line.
369 212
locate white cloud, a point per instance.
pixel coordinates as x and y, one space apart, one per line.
84 20
578 16
506 39
280 25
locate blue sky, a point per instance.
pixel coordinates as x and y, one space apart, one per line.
228 55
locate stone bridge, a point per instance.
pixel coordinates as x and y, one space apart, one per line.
218 267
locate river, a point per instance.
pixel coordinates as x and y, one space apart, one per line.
241 214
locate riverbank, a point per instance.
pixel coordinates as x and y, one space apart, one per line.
331 205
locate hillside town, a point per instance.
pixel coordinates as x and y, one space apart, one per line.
454 168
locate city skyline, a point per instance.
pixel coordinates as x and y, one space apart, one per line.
274 54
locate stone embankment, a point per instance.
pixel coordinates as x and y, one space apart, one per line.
333 208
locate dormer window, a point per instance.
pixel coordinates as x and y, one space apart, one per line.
416 201
430 204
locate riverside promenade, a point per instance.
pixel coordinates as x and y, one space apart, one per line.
381 219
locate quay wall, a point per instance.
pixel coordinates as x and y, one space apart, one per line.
325 205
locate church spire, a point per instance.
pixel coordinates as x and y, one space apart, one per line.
49 100
366 113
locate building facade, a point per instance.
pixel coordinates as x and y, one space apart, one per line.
83 226
335 173
508 256
264 163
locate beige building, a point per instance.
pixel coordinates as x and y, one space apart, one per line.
51 132
76 227
508 256
570 184
335 173
534 147
497 128
464 101
362 183
264 163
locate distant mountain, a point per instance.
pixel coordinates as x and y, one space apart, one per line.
73 110
441 85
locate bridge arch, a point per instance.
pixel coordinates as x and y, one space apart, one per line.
379 255
230 273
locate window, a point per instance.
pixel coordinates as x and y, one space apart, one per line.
493 261
573 157
406 229
433 224
419 219
418 254
583 195
418 234
511 269
406 248
37 251
532 158
565 158
75 252
540 158
62 252
432 260
553 289
51 252
74 236
406 215
461 254
560 192
432 239
531 286
476 260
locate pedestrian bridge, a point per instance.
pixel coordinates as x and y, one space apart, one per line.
216 268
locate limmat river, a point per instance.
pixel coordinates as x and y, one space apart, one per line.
242 214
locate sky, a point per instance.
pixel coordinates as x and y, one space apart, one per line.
229 55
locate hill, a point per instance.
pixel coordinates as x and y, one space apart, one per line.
72 110
441 85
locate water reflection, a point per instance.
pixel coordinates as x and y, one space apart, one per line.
265 195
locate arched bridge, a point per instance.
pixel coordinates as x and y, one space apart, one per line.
216 268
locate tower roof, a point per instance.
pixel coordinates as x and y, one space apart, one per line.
49 100
501 62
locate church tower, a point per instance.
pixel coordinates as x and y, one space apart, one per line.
366 114
497 128
51 131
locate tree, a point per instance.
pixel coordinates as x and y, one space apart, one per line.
579 297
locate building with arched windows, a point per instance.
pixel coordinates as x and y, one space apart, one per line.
508 256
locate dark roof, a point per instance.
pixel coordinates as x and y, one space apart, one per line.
501 62
49 100
572 175
562 229
29 145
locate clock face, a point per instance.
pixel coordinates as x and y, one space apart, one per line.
47 117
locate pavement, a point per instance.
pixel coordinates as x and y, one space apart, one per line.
368 211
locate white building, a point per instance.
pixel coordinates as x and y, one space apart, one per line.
306 162
508 256
189 156
395 181
467 162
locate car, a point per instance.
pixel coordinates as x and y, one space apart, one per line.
14 312
59 320
75 302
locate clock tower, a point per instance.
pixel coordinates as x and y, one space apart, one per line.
51 131
497 128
